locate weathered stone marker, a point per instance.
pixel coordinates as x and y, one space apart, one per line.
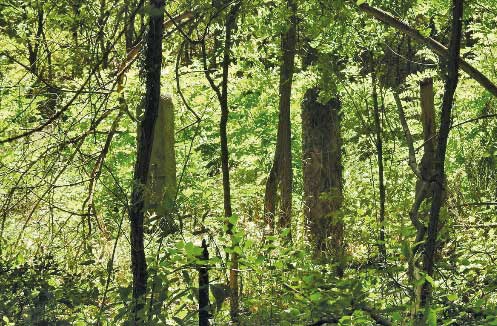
160 192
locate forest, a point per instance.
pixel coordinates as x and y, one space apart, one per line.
248 162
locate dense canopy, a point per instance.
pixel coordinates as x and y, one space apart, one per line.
236 162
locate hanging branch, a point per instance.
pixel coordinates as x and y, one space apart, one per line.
434 45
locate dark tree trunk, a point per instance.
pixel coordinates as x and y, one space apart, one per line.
379 156
222 96
233 277
323 185
76 9
75 26
203 288
153 61
129 20
281 171
443 134
101 21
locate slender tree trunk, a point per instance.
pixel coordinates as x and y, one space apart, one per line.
153 61
203 287
33 50
233 277
424 189
102 19
129 20
281 171
379 155
427 164
222 95
76 9
323 183
439 177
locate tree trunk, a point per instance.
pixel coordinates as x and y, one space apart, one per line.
222 96
101 22
428 121
233 277
379 156
281 171
439 176
153 61
203 287
270 195
424 190
129 20
323 185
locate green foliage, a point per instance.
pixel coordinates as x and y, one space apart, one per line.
64 246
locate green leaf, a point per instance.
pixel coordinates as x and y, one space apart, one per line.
285 232
124 292
360 2
236 239
452 297
233 219
315 297
259 260
431 320
430 280
20 259
238 250
396 316
52 282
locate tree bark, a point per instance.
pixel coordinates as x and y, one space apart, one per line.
153 61
233 277
379 156
222 96
203 287
270 194
281 171
434 45
428 117
323 184
443 134
129 34
424 172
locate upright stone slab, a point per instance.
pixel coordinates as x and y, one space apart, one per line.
160 191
